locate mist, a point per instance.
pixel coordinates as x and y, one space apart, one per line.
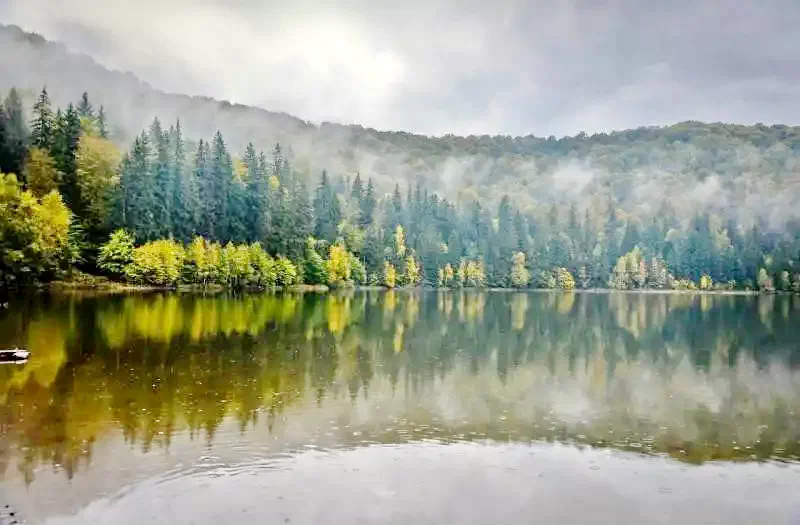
451 67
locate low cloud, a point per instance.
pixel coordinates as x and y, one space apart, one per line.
510 67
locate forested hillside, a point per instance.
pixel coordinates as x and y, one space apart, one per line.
732 170
687 205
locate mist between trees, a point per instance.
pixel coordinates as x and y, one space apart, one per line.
186 212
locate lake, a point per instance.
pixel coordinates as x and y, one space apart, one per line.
402 407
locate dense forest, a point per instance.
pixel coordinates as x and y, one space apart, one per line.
198 212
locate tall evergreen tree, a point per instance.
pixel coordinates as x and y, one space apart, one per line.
367 206
102 127
65 138
327 212
185 198
14 135
85 109
162 177
218 197
257 195
136 191
42 124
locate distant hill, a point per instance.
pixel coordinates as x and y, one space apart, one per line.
731 170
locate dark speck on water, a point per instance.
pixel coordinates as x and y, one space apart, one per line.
402 407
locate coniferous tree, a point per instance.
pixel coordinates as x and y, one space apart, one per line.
102 127
202 176
185 199
257 195
327 212
66 134
217 197
135 195
367 206
13 135
303 219
85 109
162 178
42 124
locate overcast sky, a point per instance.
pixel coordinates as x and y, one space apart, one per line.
503 66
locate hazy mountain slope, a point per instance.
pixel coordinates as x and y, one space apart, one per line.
732 170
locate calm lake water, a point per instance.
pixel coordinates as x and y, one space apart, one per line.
402 407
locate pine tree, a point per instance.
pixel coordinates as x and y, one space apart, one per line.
65 137
302 221
367 206
102 128
327 212
162 177
357 191
257 195
13 135
135 193
185 199
42 124
217 197
202 177
85 109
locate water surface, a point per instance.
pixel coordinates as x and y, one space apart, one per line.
401 407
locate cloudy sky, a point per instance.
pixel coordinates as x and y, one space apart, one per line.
504 66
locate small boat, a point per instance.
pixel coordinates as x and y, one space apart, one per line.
14 355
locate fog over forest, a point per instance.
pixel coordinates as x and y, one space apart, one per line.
705 198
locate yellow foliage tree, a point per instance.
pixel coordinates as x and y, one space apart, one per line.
519 273
389 275
338 265
97 161
565 279
412 276
399 241
40 172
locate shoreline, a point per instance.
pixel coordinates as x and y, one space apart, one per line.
102 285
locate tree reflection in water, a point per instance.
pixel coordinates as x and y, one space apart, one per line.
699 377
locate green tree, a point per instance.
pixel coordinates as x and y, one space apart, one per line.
42 124
102 126
116 254
326 210
315 270
13 134
85 108
65 139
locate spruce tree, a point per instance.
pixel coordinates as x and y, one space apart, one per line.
85 109
42 123
14 139
257 195
217 199
65 138
327 212
162 178
367 205
102 127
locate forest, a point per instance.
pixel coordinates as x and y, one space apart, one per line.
166 210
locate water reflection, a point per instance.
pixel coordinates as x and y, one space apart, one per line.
698 377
